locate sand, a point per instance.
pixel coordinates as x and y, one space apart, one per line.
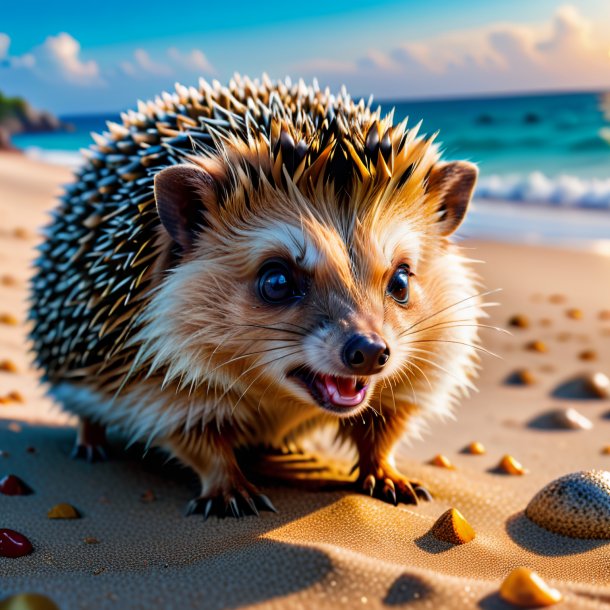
325 549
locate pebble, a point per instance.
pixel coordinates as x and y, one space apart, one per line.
537 346
606 450
8 366
452 527
442 461
571 419
91 540
575 505
475 448
574 314
11 485
598 384
588 354
21 233
148 496
14 544
63 511
509 465
557 299
28 601
604 314
8 280
519 321
9 319
522 377
524 588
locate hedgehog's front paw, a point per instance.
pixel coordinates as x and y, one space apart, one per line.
89 453
90 442
386 483
238 501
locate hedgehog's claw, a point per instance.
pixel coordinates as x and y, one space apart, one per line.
236 504
89 453
390 486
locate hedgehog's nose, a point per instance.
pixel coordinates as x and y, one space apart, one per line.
366 354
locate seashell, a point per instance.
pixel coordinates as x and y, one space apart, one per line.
509 465
475 448
574 314
571 419
524 588
442 461
575 505
519 321
452 527
28 601
63 511
537 346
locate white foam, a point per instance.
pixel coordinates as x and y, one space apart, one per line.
65 158
536 187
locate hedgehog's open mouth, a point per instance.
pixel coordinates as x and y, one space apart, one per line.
333 392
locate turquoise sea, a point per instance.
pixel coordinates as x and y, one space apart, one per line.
543 149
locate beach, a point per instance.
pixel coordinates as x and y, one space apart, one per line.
324 549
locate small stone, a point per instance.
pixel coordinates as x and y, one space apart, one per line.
21 233
598 384
475 448
537 346
575 505
604 314
571 419
452 527
524 588
4 454
574 314
9 319
11 485
28 601
63 511
98 571
588 354
557 299
14 544
442 461
148 496
521 377
8 366
519 321
8 280
91 540
509 465
30 449
606 450
15 396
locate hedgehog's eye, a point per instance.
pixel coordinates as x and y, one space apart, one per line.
276 283
398 288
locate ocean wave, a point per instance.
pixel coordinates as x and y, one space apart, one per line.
563 190
65 158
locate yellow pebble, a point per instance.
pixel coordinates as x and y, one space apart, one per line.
510 465
524 588
442 461
7 318
574 314
537 346
15 396
28 601
476 448
8 366
63 511
606 450
452 527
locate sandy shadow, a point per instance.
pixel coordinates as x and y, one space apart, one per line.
430 544
536 539
493 601
405 589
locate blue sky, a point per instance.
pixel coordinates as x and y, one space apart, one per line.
75 57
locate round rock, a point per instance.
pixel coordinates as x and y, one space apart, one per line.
575 505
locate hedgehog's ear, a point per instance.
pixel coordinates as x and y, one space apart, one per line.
183 194
452 185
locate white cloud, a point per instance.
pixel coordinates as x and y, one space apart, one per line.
59 57
5 42
194 60
562 53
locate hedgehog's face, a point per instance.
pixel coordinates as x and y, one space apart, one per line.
298 308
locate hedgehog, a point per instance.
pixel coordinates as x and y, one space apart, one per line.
235 267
